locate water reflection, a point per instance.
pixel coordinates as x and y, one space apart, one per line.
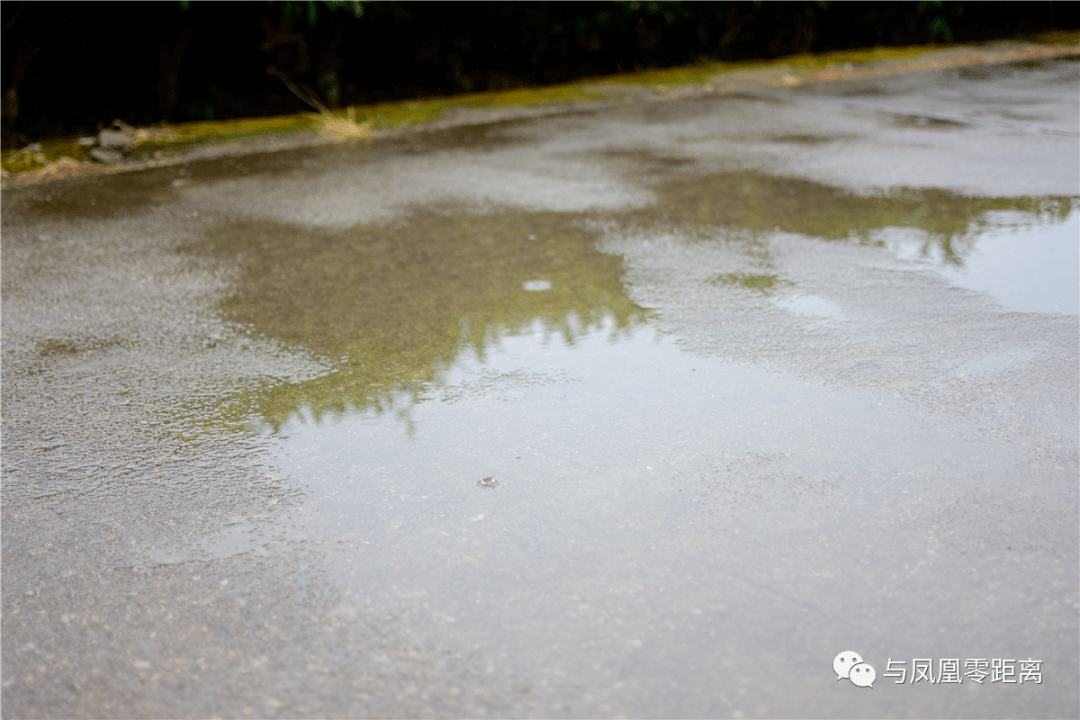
1027 265
765 284
949 225
393 306
656 515
585 497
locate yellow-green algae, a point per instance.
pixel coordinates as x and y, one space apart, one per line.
705 72
1058 37
804 63
169 140
380 115
392 114
165 141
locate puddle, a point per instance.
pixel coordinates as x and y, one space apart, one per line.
557 488
1028 263
811 306
609 502
1022 251
758 203
506 453
995 363
669 478
765 284
389 308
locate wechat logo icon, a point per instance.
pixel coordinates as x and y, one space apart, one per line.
849 665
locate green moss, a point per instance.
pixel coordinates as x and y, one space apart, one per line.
175 139
155 142
28 159
705 72
1059 37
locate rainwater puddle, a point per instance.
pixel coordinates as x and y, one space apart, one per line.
1024 251
812 306
1029 264
389 308
648 508
650 504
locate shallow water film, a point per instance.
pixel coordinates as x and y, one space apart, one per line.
762 405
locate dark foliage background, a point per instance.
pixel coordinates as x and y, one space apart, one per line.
69 67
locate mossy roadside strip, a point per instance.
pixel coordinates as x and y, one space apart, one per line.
175 144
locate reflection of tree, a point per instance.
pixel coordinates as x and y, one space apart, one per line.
752 201
392 306
762 283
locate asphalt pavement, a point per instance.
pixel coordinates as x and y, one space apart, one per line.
655 409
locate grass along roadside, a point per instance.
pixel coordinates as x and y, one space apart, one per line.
169 144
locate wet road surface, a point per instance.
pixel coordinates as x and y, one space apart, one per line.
759 378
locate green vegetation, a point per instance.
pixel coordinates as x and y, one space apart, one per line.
162 144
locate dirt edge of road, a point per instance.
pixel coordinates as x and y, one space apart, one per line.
312 130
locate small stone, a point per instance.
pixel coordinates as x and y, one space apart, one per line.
108 157
113 139
488 482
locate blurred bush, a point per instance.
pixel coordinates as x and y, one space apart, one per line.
70 66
